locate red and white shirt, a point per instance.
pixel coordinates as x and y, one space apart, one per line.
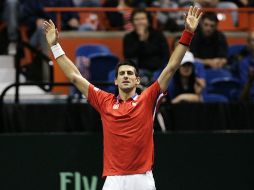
127 129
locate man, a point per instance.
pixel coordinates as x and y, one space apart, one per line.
209 45
128 118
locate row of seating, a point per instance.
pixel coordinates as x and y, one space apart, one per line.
222 86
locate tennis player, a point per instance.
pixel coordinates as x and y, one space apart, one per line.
127 118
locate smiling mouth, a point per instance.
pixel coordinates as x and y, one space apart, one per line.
126 82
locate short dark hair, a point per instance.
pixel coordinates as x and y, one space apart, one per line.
141 10
210 16
129 62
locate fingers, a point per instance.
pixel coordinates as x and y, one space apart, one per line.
195 11
51 23
200 15
190 10
185 16
47 25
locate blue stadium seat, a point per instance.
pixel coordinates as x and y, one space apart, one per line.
111 78
101 62
90 49
156 74
101 65
214 98
234 49
227 86
212 74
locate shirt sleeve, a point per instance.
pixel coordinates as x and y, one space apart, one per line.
97 97
154 95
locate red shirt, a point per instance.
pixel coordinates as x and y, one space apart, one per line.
127 129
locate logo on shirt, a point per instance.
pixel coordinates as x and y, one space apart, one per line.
134 104
115 106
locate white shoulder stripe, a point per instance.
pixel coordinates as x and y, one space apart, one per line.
157 102
136 97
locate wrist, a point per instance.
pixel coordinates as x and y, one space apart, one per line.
57 50
186 37
53 44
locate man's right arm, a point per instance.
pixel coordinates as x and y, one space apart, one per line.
66 65
73 74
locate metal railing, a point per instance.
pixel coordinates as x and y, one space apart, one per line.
59 10
18 67
45 85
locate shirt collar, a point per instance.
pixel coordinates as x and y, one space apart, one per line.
134 97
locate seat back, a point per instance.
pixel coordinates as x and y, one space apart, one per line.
212 74
234 49
90 49
228 86
111 78
101 65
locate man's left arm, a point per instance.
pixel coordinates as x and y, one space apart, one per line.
192 20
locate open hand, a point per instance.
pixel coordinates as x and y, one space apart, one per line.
51 32
192 18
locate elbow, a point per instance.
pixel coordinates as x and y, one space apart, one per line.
172 69
73 78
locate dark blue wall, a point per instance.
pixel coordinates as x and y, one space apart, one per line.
191 161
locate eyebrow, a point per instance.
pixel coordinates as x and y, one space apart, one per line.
128 71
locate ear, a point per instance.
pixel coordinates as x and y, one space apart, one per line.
138 80
115 82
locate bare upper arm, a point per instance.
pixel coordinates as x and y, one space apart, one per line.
164 78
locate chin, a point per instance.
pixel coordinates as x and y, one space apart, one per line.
126 89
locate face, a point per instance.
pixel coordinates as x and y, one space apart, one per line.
140 20
251 41
126 79
208 27
186 70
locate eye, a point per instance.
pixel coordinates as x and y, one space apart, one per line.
121 73
130 72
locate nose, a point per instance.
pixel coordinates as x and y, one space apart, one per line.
125 76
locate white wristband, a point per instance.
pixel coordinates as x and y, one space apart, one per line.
57 51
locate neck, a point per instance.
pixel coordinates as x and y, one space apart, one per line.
184 79
126 95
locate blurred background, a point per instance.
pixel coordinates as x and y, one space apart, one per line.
51 138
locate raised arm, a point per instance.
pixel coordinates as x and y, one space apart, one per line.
192 20
66 65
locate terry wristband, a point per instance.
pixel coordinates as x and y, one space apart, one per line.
186 38
57 51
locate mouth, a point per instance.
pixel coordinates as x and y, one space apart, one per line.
125 82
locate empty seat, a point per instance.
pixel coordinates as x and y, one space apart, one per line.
234 49
90 49
101 65
228 86
212 74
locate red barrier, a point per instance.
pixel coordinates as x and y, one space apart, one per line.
245 15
